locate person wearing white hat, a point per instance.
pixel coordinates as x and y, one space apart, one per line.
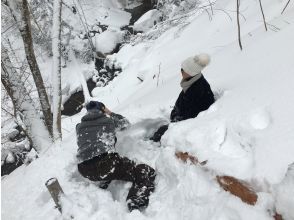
196 95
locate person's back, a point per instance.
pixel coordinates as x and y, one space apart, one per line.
95 135
99 161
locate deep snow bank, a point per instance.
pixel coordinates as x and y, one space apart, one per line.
246 133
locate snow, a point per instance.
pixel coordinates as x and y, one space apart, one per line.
51 181
56 68
260 119
10 158
147 20
104 11
246 133
285 194
107 41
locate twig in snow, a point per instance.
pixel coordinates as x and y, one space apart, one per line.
211 6
158 75
241 14
140 79
209 15
263 14
225 13
238 23
273 27
285 6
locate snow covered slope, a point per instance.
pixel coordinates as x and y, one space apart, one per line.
247 133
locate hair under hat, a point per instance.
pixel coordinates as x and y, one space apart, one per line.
94 105
194 65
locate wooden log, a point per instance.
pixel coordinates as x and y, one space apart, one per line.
278 216
184 156
238 188
55 191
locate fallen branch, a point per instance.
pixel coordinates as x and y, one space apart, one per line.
184 156
236 187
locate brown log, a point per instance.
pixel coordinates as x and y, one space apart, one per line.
278 217
184 156
55 191
228 183
238 188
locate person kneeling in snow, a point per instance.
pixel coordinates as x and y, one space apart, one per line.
196 95
98 160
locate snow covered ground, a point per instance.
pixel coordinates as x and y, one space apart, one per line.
247 133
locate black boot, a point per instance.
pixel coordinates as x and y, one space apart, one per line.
158 134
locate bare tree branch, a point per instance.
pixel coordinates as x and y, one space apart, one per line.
21 100
20 12
262 15
238 23
285 6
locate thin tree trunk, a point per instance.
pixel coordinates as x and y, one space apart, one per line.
56 49
238 23
23 103
20 12
84 23
263 17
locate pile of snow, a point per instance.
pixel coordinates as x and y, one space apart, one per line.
92 12
285 194
9 149
148 20
108 40
247 132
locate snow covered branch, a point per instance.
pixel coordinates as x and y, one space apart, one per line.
56 72
20 12
23 103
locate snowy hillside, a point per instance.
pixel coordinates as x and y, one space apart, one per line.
247 133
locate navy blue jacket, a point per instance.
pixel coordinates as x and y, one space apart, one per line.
196 99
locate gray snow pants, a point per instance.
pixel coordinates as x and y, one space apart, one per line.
111 166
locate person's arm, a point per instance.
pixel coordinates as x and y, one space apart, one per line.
120 122
177 114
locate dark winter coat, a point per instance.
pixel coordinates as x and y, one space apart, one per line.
96 134
196 99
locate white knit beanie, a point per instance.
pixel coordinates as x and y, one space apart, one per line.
194 65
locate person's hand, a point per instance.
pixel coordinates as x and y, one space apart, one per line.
106 111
